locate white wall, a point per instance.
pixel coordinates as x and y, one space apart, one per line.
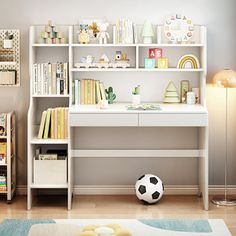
217 15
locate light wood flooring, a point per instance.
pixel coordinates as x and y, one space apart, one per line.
54 207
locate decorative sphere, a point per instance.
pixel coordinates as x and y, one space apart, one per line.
149 188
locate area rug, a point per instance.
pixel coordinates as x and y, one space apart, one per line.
141 227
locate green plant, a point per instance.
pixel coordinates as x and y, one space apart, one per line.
110 95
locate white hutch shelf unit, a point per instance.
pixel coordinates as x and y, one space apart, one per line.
153 83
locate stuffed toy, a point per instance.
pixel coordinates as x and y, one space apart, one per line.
104 230
103 35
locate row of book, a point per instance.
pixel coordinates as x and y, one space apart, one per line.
3 183
87 91
3 124
124 32
50 78
54 123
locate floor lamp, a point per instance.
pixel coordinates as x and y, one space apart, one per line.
225 79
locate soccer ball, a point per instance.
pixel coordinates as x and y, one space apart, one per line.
149 188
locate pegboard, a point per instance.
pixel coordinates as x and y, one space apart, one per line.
16 54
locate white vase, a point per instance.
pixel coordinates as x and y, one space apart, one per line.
136 99
7 43
147 40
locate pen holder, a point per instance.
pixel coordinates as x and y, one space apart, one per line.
136 99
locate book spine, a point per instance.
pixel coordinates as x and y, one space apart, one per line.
55 123
66 122
54 80
73 92
89 91
82 91
49 78
59 123
62 121
52 124
85 91
76 92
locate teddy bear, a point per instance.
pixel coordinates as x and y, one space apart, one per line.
102 34
107 230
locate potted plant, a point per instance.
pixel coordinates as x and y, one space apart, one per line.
8 41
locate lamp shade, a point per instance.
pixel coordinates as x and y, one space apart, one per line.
225 79
147 29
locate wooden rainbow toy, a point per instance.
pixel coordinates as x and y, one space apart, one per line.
188 62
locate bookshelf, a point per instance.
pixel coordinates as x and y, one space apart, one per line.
8 169
153 83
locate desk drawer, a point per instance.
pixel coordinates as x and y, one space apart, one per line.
195 120
95 120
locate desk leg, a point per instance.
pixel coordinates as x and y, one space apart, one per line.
70 169
203 166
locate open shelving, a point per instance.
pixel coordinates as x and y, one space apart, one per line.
153 83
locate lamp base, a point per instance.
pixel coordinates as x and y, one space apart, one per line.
224 202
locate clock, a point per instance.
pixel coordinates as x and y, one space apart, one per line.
178 29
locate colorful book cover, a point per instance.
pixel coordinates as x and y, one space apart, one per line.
82 92
3 152
47 124
102 90
54 80
3 124
52 130
55 123
89 92
85 91
98 94
42 124
62 122
59 122
66 122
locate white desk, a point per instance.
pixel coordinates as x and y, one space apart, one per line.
117 115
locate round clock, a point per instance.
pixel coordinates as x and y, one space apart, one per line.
178 29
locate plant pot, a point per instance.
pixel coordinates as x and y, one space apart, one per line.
136 99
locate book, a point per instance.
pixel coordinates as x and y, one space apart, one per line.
102 91
3 152
98 93
52 130
3 124
42 124
47 124
47 157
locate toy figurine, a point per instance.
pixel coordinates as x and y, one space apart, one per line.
110 95
83 34
102 35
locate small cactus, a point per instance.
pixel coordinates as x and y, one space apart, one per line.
110 95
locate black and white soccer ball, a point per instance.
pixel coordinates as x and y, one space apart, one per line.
149 188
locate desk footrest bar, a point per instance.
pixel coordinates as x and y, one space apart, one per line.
135 153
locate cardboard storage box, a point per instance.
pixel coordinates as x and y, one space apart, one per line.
50 171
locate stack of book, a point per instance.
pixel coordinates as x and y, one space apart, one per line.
54 123
87 91
124 32
50 78
3 183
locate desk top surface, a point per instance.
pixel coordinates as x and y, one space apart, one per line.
122 108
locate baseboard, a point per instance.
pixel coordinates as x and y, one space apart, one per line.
129 189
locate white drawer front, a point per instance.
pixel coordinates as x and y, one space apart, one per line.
195 120
95 120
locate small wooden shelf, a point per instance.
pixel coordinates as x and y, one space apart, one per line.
49 141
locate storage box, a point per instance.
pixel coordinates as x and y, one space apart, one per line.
7 77
50 171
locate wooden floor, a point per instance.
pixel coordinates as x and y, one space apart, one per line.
54 207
